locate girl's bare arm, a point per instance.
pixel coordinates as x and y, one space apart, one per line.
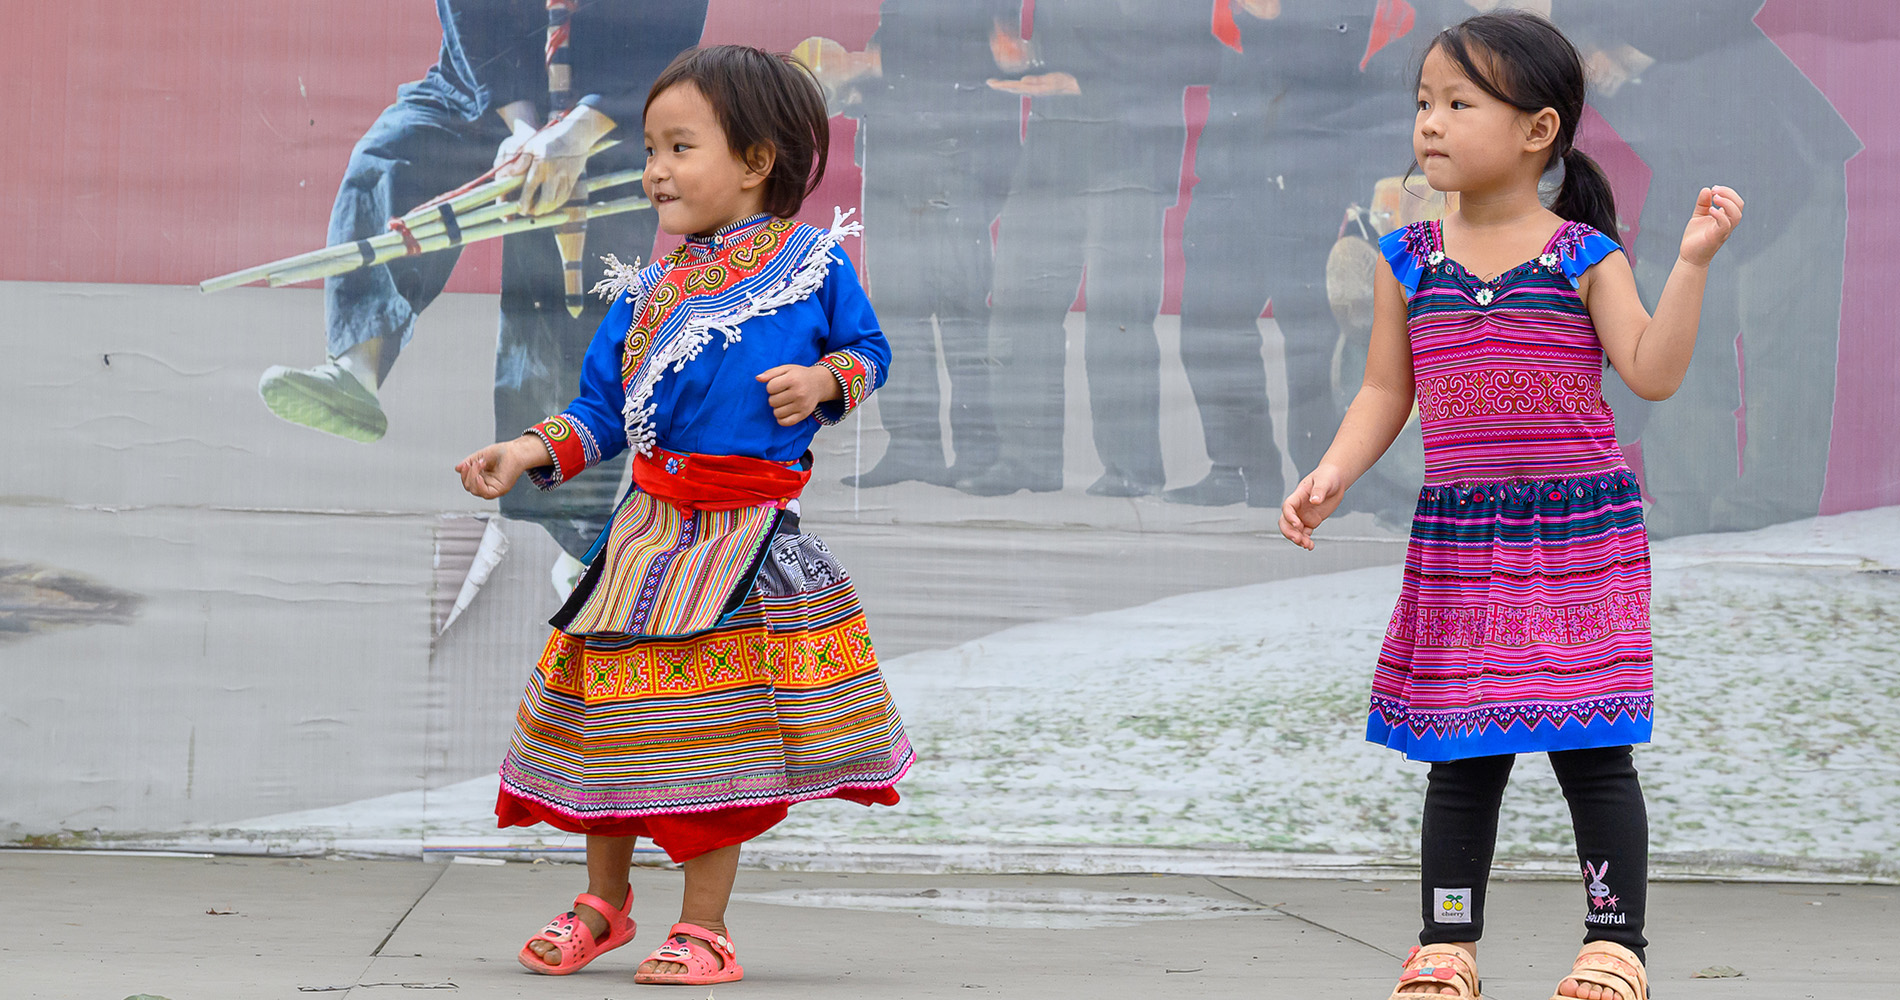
1372 422
1652 353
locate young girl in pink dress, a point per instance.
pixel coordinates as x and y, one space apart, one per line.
1522 624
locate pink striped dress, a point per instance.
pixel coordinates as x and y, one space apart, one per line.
1523 621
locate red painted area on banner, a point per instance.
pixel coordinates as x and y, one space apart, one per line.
1194 105
1852 52
1629 183
1628 174
1392 21
164 143
1224 26
177 141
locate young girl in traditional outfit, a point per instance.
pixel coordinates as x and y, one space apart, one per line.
1523 621
713 666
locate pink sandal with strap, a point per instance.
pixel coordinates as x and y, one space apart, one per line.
575 942
687 947
1438 965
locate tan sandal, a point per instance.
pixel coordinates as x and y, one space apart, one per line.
1611 966
1440 965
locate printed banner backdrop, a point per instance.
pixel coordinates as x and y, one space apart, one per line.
1123 253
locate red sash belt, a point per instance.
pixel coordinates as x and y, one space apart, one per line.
716 482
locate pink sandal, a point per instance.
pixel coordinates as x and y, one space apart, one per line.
575 942
1438 965
687 947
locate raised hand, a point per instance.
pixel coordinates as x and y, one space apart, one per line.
1311 502
794 391
1718 210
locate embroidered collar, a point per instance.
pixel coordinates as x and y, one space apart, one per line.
634 280
1426 240
752 268
700 246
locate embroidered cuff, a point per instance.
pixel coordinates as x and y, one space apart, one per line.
570 445
857 376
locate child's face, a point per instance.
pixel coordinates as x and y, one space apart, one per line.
694 179
1464 138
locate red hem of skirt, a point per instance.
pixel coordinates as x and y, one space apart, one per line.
684 836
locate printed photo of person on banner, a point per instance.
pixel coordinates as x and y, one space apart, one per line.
525 90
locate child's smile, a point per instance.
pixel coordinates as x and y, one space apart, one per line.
696 182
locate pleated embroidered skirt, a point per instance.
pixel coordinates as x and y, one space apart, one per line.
703 741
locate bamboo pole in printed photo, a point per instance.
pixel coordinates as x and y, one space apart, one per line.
439 222
570 239
432 223
491 190
436 224
442 241
437 215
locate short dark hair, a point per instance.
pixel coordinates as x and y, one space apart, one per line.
762 99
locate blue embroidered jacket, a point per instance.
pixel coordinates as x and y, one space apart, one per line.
676 362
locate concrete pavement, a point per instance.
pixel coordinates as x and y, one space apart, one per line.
109 926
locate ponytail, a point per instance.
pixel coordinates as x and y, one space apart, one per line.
1586 196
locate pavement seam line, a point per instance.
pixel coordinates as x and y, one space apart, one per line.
1281 908
378 953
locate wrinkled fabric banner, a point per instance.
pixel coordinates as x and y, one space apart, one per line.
1123 253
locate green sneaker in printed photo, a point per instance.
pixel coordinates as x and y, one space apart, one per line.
324 398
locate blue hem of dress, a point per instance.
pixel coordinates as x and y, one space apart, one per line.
1489 741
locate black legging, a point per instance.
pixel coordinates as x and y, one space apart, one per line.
1461 834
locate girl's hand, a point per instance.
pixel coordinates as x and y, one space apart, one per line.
794 391
495 469
1311 502
1718 210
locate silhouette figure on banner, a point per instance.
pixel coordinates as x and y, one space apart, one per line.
938 146
1744 442
1100 166
1309 110
482 102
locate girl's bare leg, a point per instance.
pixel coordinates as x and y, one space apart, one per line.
709 879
